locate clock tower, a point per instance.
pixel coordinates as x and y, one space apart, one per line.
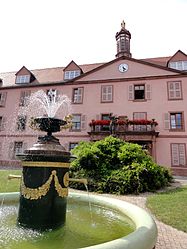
123 42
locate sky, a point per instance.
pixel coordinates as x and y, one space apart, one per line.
50 33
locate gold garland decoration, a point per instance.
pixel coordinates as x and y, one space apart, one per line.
37 193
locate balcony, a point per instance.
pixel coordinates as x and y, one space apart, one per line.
128 130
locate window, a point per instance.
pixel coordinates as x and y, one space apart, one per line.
21 79
2 123
15 148
21 123
78 95
176 121
18 148
76 122
174 90
139 92
139 116
105 117
178 154
68 75
106 93
24 98
179 65
3 96
72 146
52 95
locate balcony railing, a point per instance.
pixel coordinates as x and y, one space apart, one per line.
118 126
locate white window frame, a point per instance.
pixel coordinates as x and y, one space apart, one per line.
21 123
68 75
141 87
24 97
21 79
78 95
174 90
107 93
76 122
18 147
174 125
140 116
3 96
178 154
179 65
52 95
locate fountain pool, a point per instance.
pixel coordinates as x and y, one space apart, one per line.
86 232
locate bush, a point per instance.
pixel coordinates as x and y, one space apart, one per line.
115 166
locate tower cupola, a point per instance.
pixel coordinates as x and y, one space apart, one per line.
123 42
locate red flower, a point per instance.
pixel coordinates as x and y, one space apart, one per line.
123 122
99 122
142 122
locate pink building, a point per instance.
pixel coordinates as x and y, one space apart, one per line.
149 97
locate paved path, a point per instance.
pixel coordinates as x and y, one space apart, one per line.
168 237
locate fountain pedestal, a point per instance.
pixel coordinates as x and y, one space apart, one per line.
44 184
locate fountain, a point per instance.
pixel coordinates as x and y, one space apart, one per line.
44 187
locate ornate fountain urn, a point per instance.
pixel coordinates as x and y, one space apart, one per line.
44 184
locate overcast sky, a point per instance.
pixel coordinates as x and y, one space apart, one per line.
51 33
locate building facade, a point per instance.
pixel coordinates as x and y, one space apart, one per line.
147 97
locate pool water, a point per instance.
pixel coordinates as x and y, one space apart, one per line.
83 228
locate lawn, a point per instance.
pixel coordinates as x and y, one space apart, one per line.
9 185
170 207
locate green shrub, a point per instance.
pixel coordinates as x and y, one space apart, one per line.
112 165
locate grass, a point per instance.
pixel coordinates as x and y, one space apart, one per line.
170 207
9 185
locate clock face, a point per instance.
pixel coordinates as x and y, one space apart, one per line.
123 68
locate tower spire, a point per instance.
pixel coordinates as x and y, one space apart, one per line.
123 41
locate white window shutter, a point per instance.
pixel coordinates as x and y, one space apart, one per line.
80 93
131 92
24 146
166 121
171 90
3 98
148 91
11 151
3 124
178 90
22 96
182 157
83 122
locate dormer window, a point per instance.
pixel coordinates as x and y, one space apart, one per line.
68 75
179 65
21 79
24 76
